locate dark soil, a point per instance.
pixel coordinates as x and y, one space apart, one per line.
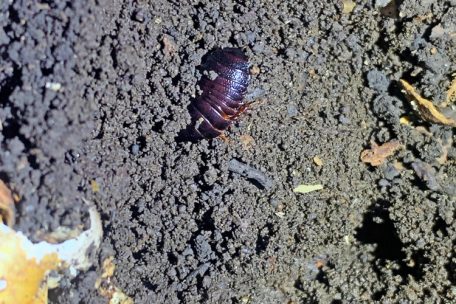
183 225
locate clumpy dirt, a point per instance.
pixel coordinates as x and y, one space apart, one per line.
94 93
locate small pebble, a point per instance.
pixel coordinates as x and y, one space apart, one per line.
54 86
390 172
344 119
135 149
292 110
138 15
377 80
383 183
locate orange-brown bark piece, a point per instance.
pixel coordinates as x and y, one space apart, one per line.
377 154
426 109
7 211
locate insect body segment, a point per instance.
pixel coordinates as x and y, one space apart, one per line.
221 100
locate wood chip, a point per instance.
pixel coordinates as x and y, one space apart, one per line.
377 154
317 160
426 109
7 210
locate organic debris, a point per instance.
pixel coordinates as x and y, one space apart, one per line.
95 186
307 188
377 154
105 286
247 141
317 160
405 120
24 266
250 173
426 109
7 210
349 6
255 70
451 93
169 45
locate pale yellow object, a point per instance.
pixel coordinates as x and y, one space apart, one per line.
349 6
405 120
22 275
317 160
307 188
24 265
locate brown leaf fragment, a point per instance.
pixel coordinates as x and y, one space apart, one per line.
426 109
7 210
377 154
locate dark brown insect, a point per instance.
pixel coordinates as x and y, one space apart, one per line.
221 101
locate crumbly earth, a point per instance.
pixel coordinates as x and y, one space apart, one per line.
94 93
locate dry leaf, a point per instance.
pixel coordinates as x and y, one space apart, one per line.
378 153
7 210
307 188
426 108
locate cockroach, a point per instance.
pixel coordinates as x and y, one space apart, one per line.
221 101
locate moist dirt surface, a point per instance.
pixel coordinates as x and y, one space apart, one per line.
94 93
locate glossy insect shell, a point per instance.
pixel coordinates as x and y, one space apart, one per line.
221 100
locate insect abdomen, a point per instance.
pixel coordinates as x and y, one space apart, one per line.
221 100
